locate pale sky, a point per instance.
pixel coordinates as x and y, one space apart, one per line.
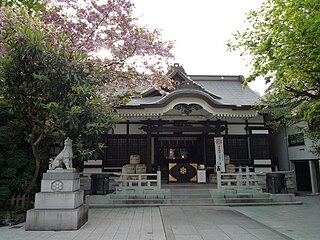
200 29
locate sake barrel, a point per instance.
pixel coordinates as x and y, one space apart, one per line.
135 159
230 168
141 168
134 177
130 168
226 159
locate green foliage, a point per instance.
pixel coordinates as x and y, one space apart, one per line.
32 5
52 90
283 44
16 159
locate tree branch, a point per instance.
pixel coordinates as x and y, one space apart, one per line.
302 93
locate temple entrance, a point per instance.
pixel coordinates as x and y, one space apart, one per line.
179 157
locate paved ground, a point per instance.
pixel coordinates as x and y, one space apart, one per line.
300 222
105 224
186 222
208 223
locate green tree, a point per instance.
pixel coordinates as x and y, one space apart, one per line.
16 165
55 83
31 5
282 42
52 91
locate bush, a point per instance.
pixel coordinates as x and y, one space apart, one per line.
16 159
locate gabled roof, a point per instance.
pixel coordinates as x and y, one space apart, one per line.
218 91
229 88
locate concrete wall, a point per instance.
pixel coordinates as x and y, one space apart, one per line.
279 149
303 152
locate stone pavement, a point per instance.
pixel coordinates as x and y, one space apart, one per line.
190 222
104 223
300 222
209 223
170 222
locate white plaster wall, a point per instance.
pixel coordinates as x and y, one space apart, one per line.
257 119
279 149
120 129
303 152
134 129
236 130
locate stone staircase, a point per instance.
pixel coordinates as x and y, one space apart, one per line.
242 196
189 196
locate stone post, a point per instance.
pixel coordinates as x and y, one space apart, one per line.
59 205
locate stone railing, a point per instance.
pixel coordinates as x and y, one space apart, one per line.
245 178
139 181
240 179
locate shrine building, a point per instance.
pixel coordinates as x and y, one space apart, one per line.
178 129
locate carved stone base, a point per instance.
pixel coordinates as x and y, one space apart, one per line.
59 205
56 219
58 200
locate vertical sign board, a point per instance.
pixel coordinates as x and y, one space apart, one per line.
218 144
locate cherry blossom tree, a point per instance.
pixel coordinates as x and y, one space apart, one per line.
134 57
55 82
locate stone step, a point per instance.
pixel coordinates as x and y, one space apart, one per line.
106 205
230 197
138 196
188 201
175 196
141 201
248 200
245 195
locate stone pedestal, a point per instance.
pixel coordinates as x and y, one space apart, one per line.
59 205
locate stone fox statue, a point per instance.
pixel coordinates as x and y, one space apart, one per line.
64 157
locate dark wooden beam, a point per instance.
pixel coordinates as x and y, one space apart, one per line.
177 129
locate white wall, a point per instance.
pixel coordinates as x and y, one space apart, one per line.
134 129
120 129
303 152
280 149
236 129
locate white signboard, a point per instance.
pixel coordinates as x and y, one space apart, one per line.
201 176
218 144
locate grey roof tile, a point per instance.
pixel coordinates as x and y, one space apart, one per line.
228 88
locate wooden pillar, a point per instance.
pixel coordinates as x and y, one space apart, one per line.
205 148
248 142
148 151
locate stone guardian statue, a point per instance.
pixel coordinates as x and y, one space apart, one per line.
64 158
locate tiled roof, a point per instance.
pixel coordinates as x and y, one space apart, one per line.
229 88
225 90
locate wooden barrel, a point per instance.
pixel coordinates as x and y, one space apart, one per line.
130 168
141 168
230 168
226 159
135 159
134 177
